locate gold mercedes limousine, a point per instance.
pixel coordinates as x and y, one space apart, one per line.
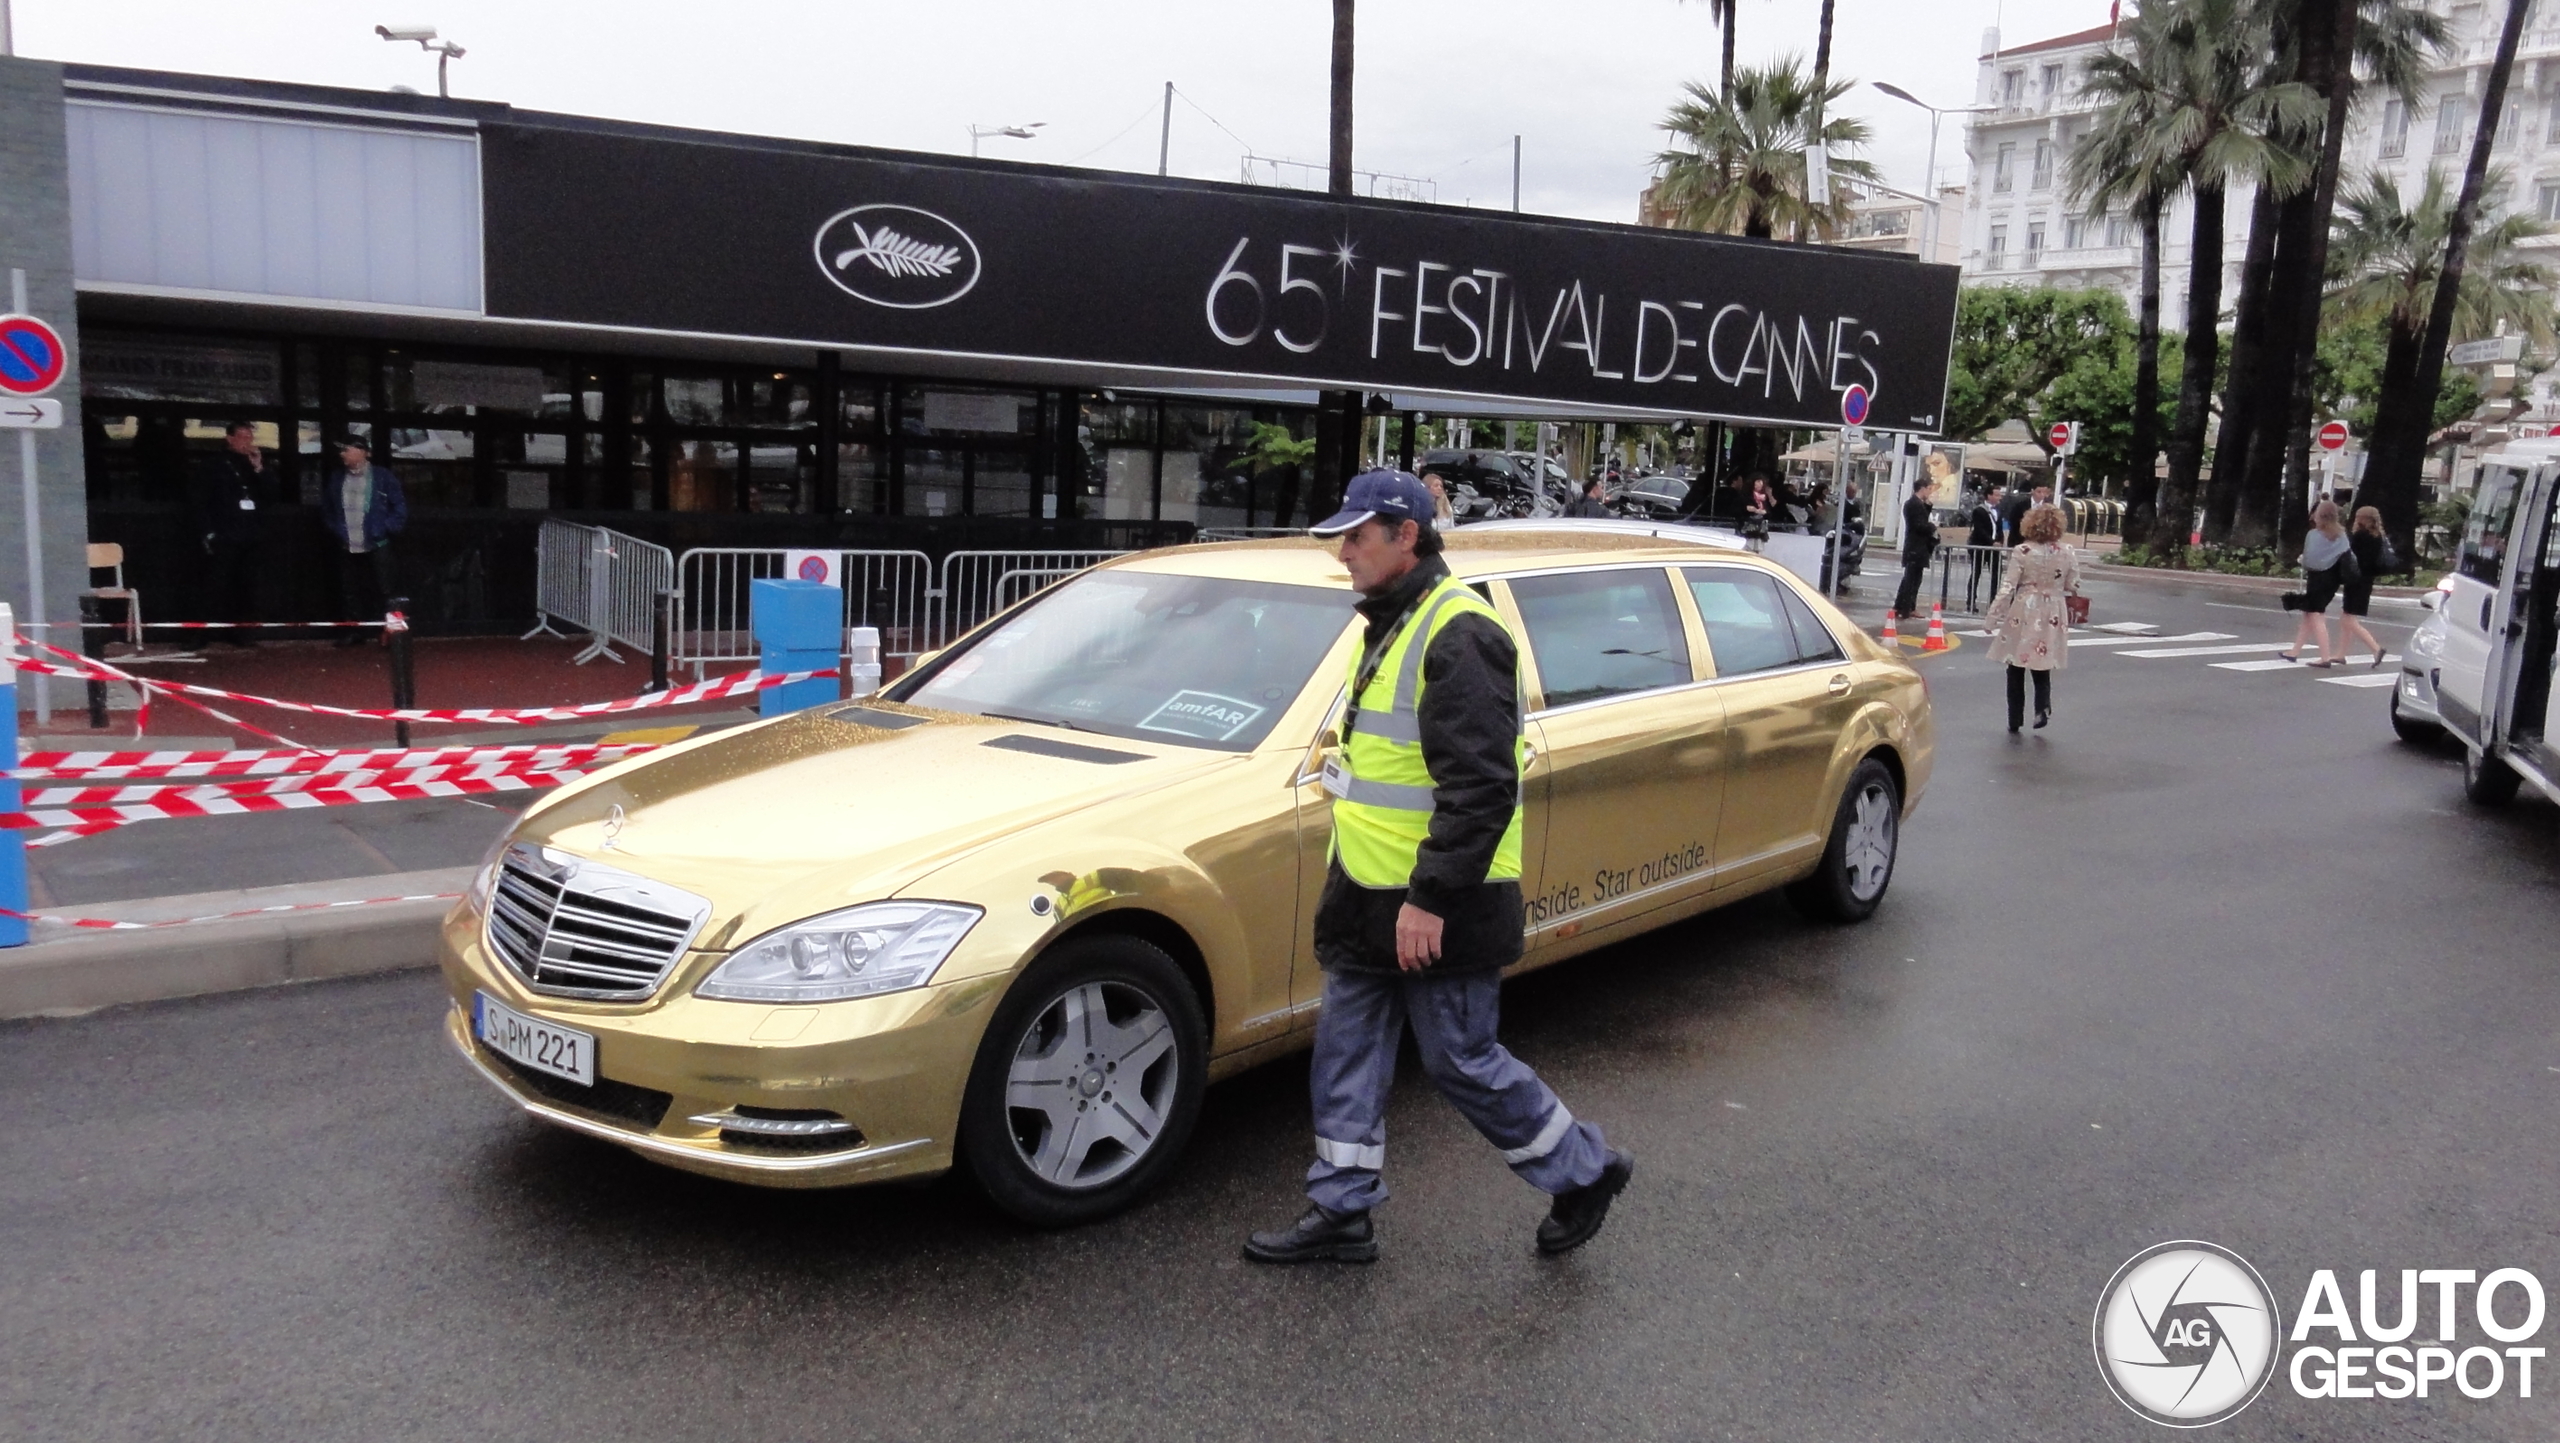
1014 913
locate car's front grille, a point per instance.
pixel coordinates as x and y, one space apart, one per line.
572 927
612 1101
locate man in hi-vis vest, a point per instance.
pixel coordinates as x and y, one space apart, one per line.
1422 904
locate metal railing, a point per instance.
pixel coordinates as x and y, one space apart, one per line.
1246 533
713 613
599 579
975 585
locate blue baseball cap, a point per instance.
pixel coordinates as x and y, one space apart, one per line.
1381 494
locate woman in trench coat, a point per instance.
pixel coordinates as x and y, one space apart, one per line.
2030 620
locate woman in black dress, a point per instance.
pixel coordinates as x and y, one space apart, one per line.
2365 540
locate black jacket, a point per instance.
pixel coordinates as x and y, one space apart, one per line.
1986 526
1919 530
2013 514
220 484
1470 720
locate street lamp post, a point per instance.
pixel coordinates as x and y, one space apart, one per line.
1929 250
1011 132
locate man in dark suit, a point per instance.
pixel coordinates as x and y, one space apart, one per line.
229 497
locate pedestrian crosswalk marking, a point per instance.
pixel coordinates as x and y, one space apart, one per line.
2130 640
2243 649
2129 628
2379 678
2277 663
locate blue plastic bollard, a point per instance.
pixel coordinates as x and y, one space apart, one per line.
13 843
799 626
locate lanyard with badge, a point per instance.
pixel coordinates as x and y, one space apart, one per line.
1373 659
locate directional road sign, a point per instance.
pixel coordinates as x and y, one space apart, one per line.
36 415
31 356
2333 437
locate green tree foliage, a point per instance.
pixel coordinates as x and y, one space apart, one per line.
1737 160
2013 344
2098 391
2347 385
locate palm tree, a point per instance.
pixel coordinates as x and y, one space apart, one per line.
2387 260
2118 166
1738 162
2215 119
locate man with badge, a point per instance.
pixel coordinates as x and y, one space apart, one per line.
1422 907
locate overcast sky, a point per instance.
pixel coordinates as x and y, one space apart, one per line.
1442 85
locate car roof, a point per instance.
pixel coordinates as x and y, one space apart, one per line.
1486 549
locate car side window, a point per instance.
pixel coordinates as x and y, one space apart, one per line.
1814 641
1746 623
2483 556
1598 634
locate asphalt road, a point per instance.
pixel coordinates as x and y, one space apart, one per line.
2212 958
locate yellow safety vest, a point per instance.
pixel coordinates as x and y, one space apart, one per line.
1381 786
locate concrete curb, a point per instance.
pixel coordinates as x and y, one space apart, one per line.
67 972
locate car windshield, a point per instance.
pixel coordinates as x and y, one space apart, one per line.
1191 659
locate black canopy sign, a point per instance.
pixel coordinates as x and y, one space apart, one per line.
1196 283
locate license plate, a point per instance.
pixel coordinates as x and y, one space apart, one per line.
542 1046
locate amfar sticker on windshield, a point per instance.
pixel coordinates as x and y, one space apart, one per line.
2188 1334
1202 715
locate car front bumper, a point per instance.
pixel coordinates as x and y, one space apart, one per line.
2415 697
894 1066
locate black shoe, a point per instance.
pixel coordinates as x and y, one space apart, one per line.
1318 1237
2041 718
1577 1215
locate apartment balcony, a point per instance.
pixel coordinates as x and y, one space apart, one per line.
2092 258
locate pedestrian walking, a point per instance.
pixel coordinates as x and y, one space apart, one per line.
2326 561
2031 617
362 508
1421 906
229 497
1982 542
2374 558
1919 544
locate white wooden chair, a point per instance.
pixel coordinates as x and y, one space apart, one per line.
109 556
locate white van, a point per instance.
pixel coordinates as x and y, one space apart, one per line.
2488 652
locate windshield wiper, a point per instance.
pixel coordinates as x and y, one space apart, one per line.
1038 721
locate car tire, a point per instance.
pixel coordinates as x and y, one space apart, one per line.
2409 729
1857 861
1051 1129
2486 780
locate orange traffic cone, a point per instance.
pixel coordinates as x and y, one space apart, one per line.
1936 640
1891 637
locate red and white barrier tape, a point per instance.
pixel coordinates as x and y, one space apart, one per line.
180 766
106 925
89 821
196 791
212 625
715 689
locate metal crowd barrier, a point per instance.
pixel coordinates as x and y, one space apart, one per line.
599 579
975 585
891 590
1246 533
1979 567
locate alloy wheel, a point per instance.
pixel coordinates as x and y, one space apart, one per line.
1092 1082
1867 852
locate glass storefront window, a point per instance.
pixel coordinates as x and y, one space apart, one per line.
438 387
698 401
434 465
858 478
702 475
136 367
644 386
778 399
1000 484
1118 442
779 479
935 478
1281 495
355 369
643 479
1206 477
858 407
953 411
306 377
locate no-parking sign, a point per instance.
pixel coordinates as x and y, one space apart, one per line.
32 356
817 566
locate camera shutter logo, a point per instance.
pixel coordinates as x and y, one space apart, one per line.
2186 1334
897 256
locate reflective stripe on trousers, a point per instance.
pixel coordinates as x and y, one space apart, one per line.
1454 1018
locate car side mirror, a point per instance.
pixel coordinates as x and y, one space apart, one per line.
2429 600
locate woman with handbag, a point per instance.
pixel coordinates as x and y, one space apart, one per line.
2031 617
2373 558
2326 560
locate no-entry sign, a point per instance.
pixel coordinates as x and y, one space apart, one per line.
31 356
2333 437
2065 436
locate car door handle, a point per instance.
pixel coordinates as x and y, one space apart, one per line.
1840 685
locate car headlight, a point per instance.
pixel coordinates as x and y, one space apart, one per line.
858 952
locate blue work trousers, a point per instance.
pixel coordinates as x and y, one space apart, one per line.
1454 1017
